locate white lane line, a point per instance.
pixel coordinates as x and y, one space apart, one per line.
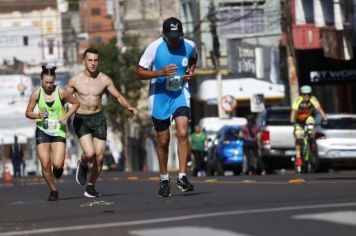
176 218
179 231
337 217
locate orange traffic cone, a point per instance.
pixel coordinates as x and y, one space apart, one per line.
7 175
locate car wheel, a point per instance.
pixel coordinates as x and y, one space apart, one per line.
219 167
237 170
268 165
210 169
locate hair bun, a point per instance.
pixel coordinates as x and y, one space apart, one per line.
44 67
53 68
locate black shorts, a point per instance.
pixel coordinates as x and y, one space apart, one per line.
94 124
42 137
162 125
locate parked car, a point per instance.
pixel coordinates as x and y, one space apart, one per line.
336 140
211 125
276 139
227 152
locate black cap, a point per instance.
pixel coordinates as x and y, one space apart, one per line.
172 28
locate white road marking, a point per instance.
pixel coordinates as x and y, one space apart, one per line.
179 231
98 203
176 218
337 217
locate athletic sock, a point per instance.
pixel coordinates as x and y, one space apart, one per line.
165 177
180 175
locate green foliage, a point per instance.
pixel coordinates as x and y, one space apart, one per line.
73 5
120 67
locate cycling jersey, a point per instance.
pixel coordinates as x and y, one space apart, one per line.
304 109
167 94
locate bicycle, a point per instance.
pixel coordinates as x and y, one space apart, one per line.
309 154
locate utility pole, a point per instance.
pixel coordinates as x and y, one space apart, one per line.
117 24
291 58
215 55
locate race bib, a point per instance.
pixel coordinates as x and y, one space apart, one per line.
173 83
53 124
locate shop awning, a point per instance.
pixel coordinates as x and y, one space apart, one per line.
241 89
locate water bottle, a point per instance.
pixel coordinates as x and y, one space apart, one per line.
45 121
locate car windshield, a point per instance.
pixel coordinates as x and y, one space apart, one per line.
278 117
231 134
340 123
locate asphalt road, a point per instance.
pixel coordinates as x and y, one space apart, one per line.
319 204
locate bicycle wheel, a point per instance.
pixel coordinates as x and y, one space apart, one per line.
313 160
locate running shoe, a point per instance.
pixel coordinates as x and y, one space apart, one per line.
164 188
53 196
184 185
57 172
81 173
91 192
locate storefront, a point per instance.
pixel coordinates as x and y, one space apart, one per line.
332 80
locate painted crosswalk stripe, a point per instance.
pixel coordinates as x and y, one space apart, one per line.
174 219
191 231
337 217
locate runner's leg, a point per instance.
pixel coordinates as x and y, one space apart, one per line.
183 142
99 149
163 138
57 157
43 151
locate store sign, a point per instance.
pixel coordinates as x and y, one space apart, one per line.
257 103
332 76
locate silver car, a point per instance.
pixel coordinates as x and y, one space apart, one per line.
336 140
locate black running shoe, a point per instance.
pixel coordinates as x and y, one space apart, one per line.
91 192
57 172
53 196
81 173
164 188
184 185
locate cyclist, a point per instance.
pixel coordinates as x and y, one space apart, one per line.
303 112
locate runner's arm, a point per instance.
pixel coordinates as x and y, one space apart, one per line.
68 97
70 86
120 99
146 74
31 106
191 69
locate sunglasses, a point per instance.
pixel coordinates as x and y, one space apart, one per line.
306 94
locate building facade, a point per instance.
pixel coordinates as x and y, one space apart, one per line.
324 41
247 42
97 20
31 32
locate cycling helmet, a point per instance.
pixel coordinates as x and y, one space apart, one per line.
305 89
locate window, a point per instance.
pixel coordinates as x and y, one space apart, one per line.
242 17
95 11
50 43
25 40
97 40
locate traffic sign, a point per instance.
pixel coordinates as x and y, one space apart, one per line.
229 103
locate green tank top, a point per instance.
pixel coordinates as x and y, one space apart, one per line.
51 125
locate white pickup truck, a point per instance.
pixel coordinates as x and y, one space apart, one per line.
277 143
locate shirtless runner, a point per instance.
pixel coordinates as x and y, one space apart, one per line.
89 122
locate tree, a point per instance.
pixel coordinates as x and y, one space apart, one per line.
120 67
73 5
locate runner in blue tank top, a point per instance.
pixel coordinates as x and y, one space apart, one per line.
169 64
